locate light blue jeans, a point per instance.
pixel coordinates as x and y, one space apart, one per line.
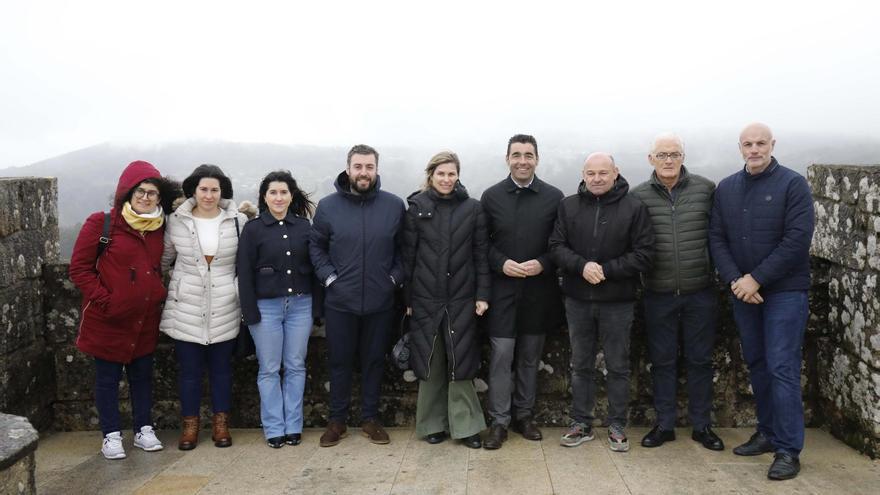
282 339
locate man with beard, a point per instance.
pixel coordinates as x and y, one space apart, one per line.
525 297
354 249
602 241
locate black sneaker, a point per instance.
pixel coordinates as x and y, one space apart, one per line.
275 442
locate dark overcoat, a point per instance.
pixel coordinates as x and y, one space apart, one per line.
445 256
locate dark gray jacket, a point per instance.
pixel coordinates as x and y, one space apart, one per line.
681 232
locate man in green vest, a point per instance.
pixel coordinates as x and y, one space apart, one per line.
680 295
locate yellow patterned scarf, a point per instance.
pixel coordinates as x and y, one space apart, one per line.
143 223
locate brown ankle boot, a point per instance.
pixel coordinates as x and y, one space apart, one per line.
221 435
189 433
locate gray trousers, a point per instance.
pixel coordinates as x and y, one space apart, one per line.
513 369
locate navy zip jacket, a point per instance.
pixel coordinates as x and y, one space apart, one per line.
762 225
356 238
273 261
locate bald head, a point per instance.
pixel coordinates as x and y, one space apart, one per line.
756 144
600 172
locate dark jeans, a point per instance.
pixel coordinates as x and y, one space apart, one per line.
608 324
140 391
694 316
364 336
772 337
513 369
192 359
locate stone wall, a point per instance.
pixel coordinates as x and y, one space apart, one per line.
45 378
18 443
28 240
847 203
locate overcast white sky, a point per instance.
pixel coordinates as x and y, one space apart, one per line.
77 73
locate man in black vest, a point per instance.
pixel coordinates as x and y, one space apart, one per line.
525 299
680 294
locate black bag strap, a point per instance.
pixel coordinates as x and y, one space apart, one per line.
237 231
105 239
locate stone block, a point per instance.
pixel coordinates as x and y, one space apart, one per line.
75 374
29 203
854 313
61 310
18 443
850 391
835 182
21 316
27 380
839 237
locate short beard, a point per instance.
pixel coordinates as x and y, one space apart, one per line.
359 190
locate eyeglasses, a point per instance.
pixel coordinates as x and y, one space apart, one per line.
674 155
143 193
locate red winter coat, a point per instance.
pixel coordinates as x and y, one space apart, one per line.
123 294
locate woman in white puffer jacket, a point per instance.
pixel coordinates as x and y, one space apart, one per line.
202 312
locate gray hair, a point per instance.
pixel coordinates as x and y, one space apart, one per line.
667 135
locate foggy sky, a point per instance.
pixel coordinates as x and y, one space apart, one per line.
444 74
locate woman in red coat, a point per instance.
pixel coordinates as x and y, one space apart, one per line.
122 299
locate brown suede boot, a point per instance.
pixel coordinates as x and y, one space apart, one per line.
221 435
189 433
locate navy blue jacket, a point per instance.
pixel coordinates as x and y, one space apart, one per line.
273 261
762 225
356 237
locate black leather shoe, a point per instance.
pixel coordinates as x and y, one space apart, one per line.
757 445
497 436
293 438
435 438
527 428
708 438
275 442
785 467
473 441
657 437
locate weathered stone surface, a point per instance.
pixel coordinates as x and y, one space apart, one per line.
18 442
29 203
61 310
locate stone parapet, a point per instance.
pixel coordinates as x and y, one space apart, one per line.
847 204
18 442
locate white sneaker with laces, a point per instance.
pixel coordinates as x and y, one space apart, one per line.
112 447
146 439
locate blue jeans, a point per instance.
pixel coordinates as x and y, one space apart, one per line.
192 358
591 323
140 391
350 338
694 316
282 337
772 337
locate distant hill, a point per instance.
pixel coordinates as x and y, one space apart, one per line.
87 177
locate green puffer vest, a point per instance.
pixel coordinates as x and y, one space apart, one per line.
681 244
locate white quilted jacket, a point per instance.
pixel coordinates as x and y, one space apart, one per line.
202 304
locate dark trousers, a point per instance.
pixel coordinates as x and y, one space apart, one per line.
694 316
140 391
772 337
608 324
192 359
513 370
350 335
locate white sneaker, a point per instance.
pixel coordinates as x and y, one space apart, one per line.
147 440
112 448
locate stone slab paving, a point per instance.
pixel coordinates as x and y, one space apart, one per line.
70 463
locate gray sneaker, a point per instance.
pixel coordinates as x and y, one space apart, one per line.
617 438
577 434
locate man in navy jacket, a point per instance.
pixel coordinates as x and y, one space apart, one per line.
353 246
760 234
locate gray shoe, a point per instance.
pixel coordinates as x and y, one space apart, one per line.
617 438
577 434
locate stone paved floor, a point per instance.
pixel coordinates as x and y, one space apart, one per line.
70 463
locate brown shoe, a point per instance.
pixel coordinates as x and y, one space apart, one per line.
220 435
527 428
334 432
189 433
374 431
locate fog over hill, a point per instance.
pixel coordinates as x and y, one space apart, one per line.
87 177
